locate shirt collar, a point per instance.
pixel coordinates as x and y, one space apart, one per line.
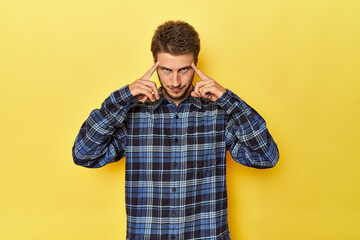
193 100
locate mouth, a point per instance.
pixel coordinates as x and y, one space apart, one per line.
176 90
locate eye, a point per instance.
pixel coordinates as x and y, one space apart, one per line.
166 69
184 69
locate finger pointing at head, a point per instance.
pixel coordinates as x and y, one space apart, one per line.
149 73
199 73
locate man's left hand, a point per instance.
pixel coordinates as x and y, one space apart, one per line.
206 88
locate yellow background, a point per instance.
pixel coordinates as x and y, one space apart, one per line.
297 62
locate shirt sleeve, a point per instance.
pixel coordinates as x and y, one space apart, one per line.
247 137
102 137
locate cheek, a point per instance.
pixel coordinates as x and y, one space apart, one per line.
188 76
164 78
164 74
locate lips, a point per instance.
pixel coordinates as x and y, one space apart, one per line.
176 89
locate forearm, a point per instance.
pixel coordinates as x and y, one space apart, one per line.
95 145
248 138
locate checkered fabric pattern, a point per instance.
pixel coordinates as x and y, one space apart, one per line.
175 159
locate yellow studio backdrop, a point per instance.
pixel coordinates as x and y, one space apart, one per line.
296 62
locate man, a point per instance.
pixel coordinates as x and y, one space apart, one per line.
175 140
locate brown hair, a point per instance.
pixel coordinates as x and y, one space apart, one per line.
176 38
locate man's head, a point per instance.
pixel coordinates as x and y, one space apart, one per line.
175 45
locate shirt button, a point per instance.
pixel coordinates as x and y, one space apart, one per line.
176 116
173 214
175 164
176 139
172 237
174 189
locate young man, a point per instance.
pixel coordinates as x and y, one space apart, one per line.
175 140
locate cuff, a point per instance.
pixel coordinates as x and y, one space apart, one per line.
120 99
123 96
228 101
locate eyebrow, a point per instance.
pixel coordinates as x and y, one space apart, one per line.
163 67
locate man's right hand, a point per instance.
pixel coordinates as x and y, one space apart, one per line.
143 89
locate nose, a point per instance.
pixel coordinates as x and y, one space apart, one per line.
175 79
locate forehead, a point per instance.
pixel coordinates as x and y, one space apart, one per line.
174 61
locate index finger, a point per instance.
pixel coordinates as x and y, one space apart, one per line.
199 73
151 71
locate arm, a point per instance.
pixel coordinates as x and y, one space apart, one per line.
247 137
102 137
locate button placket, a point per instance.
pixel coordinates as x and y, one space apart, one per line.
174 177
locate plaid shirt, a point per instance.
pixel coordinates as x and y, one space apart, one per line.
175 159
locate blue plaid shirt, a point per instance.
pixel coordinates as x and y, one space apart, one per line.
175 159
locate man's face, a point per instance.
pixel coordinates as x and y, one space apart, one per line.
176 75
